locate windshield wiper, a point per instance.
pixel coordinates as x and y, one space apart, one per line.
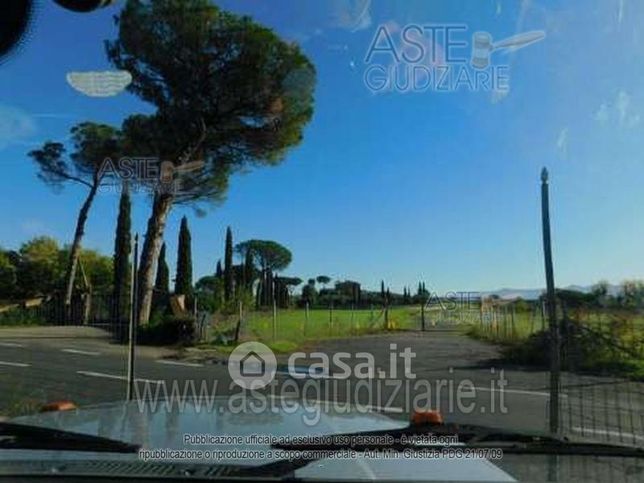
19 436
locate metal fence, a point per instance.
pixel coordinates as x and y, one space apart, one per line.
92 310
601 372
297 324
602 380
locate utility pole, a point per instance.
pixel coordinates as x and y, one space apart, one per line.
239 322
133 318
555 363
422 316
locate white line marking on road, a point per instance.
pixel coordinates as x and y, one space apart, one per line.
305 375
330 376
178 363
14 364
607 432
10 344
369 407
384 409
517 391
100 374
83 353
115 376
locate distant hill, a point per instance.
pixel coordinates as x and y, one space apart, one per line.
533 294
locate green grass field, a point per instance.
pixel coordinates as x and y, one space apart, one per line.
292 327
509 327
506 327
614 345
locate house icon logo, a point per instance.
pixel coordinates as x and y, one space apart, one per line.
252 365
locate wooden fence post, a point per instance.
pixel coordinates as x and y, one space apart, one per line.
306 318
274 320
514 333
422 316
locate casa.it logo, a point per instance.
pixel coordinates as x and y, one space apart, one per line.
252 365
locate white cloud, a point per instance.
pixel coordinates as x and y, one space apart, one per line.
602 113
498 95
621 111
562 143
633 120
55 115
16 126
622 105
352 15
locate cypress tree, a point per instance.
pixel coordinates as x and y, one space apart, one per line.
162 282
122 248
228 266
249 270
238 276
183 283
219 273
382 290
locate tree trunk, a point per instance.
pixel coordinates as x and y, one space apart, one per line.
161 206
75 249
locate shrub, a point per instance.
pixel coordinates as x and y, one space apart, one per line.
168 330
581 350
18 317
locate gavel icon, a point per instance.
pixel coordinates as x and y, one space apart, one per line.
483 45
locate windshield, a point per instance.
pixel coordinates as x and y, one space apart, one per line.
274 220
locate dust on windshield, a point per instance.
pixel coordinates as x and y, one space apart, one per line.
409 211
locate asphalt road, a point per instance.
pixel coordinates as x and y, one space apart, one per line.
40 365
81 365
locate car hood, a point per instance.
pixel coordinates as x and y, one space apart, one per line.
165 426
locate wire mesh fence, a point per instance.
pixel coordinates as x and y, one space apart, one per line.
91 310
298 324
603 382
601 363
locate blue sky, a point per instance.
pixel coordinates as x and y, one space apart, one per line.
438 186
